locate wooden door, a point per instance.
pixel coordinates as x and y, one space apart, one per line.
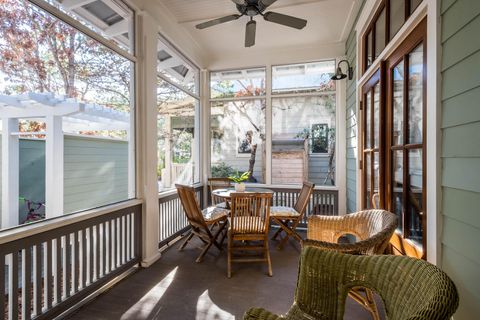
405 146
373 141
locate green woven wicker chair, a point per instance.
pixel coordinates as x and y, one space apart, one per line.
410 288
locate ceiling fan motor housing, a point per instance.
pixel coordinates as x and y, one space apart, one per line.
251 8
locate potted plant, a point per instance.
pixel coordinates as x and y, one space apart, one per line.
238 179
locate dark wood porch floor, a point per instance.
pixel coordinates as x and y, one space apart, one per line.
176 287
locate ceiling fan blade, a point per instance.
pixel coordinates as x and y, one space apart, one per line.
250 33
217 21
285 20
267 3
239 2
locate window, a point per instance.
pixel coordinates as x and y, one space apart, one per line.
67 101
389 18
178 119
303 123
237 123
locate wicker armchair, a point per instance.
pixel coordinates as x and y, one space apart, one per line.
373 230
410 288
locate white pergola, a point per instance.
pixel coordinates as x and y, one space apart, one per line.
58 112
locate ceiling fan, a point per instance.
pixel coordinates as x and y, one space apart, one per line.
253 8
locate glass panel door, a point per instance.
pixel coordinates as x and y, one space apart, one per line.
405 173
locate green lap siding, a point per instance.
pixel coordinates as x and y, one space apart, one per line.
461 150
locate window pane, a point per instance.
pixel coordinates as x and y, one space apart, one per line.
397 16
380 33
368 181
369 49
238 138
398 100
376 172
415 95
237 83
376 116
397 187
177 130
415 192
303 140
174 67
368 120
307 77
79 90
414 4
111 19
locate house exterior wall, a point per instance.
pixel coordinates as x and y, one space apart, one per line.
96 172
351 125
460 67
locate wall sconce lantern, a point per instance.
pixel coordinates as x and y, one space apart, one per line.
339 75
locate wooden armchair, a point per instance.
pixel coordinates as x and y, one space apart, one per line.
372 229
288 218
203 221
410 288
218 183
249 223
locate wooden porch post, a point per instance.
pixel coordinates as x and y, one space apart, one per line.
54 154
10 173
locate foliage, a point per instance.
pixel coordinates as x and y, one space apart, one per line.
237 177
40 53
222 170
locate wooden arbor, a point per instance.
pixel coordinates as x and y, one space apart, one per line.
58 112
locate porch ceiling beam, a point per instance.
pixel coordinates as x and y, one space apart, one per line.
118 28
72 4
169 63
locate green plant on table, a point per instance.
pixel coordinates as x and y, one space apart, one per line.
239 178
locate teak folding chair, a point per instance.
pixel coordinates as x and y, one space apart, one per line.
288 218
202 221
218 183
249 223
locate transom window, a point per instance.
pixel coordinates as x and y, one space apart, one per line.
387 21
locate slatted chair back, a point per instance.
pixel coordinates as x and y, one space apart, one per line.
192 208
218 183
303 198
250 213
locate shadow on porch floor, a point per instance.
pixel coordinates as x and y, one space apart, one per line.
176 287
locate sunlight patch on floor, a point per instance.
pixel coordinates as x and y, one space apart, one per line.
149 303
208 310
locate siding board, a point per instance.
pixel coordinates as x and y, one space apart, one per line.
460 150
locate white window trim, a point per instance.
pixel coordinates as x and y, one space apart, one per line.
430 9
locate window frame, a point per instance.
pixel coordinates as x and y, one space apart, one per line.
384 4
268 97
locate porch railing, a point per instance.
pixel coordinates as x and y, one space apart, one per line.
48 267
173 221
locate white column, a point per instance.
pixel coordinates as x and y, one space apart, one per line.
147 139
10 173
54 152
204 144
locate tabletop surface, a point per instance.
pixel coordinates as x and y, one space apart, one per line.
225 193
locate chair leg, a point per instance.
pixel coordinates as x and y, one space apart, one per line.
372 306
214 239
229 257
204 251
277 233
267 256
190 236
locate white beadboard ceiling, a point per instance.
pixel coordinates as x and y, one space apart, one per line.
327 24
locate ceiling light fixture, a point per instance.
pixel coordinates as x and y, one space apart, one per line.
339 75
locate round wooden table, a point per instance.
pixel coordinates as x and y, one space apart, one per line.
225 193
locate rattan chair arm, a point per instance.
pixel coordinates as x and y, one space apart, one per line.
260 314
350 248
